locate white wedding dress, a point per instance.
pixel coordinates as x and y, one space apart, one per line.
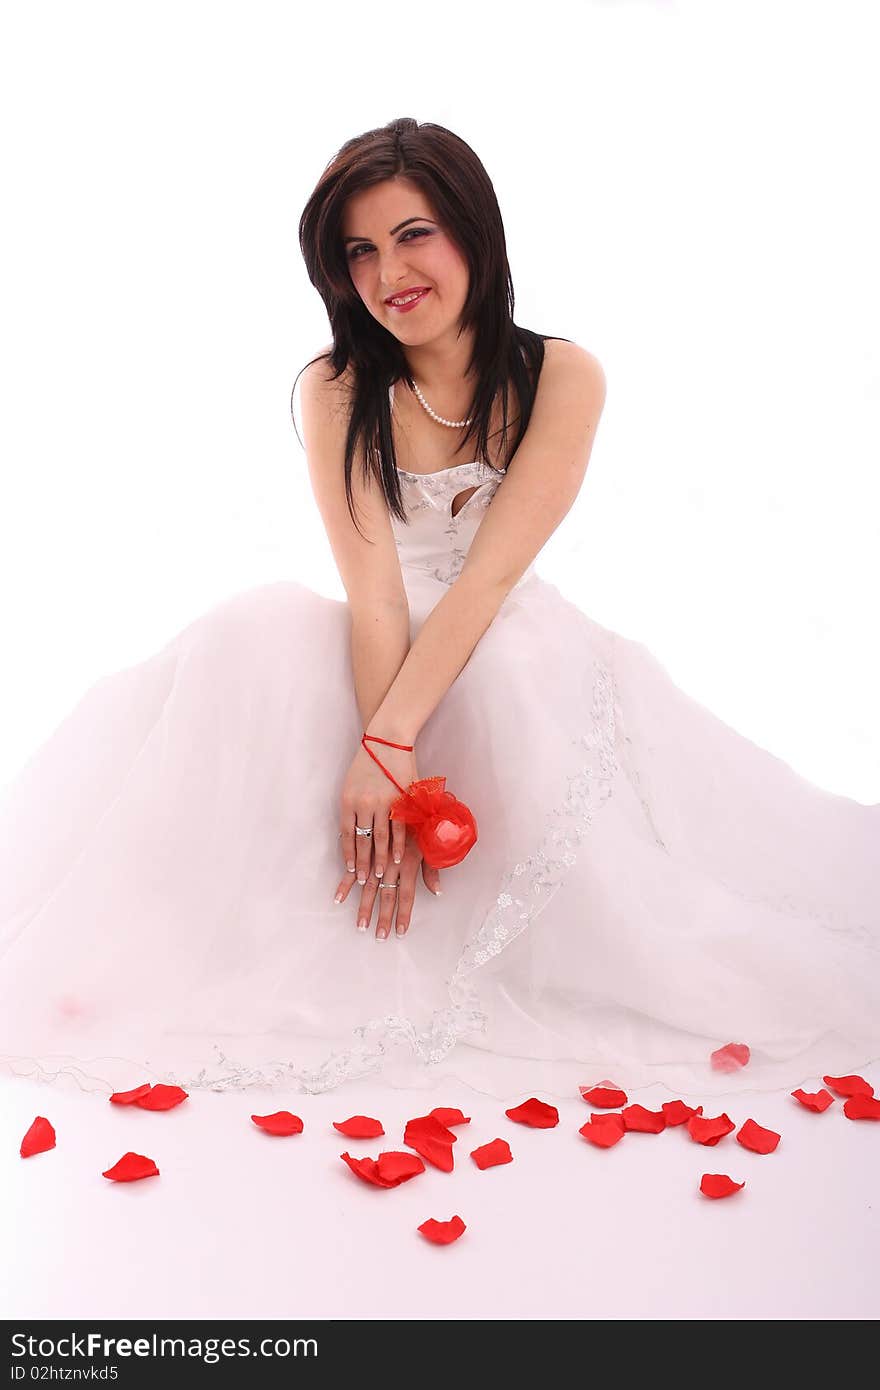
648 884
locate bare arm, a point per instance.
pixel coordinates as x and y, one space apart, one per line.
379 644
538 492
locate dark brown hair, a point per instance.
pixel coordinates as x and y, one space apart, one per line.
460 191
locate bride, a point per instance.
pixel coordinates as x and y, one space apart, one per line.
202 880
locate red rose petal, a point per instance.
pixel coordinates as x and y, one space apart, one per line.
39 1138
862 1108
603 1130
161 1098
709 1131
814 1100
606 1095
730 1057
449 1117
432 1140
131 1167
130 1097
849 1085
719 1185
367 1169
761 1141
279 1122
535 1113
636 1117
359 1127
677 1112
490 1155
395 1167
443 1232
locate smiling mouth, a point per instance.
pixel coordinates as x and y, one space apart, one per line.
407 301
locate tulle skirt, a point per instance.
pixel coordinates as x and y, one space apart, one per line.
648 884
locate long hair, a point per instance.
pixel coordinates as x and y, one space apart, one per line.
460 191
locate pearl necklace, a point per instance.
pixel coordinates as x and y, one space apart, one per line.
453 424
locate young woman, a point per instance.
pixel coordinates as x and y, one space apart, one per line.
625 884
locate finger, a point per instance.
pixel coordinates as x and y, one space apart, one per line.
387 904
380 845
348 838
368 898
406 896
431 877
343 888
398 836
364 844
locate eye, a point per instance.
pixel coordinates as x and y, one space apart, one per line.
410 231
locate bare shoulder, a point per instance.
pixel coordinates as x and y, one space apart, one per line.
568 363
323 394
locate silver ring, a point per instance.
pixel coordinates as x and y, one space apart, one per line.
363 830
389 885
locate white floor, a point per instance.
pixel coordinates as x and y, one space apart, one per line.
243 1225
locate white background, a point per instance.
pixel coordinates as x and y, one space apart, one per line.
687 192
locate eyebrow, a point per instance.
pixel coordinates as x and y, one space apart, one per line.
393 229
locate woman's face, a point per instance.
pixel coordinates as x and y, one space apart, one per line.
386 259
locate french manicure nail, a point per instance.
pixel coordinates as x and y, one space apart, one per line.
397 858
350 866
361 880
362 926
338 898
438 892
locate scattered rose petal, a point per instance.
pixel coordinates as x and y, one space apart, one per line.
432 1140
443 1232
761 1141
39 1138
862 1108
730 1057
677 1112
395 1167
490 1155
603 1130
535 1113
131 1167
130 1097
279 1122
359 1127
709 1131
636 1117
161 1098
849 1085
814 1100
719 1185
367 1169
449 1117
606 1095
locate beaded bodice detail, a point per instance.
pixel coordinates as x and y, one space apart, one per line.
435 540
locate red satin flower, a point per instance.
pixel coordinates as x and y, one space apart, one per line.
761 1141
862 1108
444 827
443 1232
391 1169
606 1095
161 1098
39 1138
130 1097
432 1140
131 1167
730 1057
814 1100
603 1130
281 1122
359 1127
490 1155
719 1185
709 1131
636 1117
677 1112
535 1113
849 1085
